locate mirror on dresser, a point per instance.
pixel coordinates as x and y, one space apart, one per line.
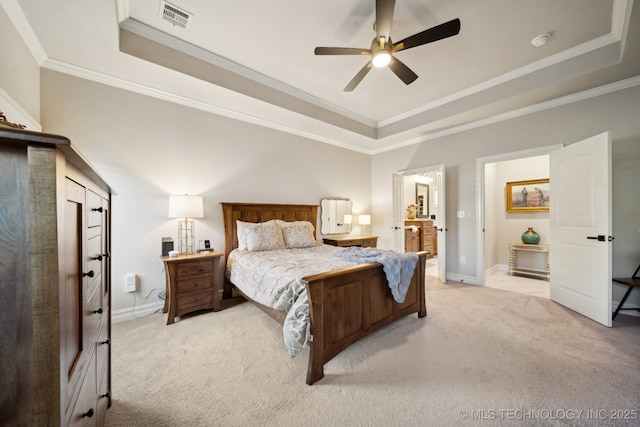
332 216
422 200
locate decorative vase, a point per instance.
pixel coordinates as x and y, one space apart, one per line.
530 237
411 215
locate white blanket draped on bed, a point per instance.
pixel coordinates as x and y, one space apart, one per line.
274 278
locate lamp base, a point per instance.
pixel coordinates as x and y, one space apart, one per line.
186 236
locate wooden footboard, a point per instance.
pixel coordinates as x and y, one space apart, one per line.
348 304
345 304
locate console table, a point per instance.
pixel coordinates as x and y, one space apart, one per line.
514 268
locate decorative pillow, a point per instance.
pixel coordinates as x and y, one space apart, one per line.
263 236
298 234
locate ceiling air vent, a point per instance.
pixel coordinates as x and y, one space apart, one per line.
175 15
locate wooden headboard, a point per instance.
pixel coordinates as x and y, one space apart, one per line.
260 212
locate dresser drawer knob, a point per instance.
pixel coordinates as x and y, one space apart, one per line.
195 284
195 268
195 300
88 414
107 394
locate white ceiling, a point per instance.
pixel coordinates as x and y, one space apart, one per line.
253 60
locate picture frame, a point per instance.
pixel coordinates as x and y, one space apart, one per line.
528 196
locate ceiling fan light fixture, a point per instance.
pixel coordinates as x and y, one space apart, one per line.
381 59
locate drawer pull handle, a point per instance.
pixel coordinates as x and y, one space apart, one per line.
195 268
88 414
195 300
107 394
107 341
97 209
90 274
97 258
98 311
195 284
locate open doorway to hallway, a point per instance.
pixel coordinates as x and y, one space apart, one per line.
501 228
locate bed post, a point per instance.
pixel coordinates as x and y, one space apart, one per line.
315 369
420 273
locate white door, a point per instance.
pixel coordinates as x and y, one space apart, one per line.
580 227
398 212
441 222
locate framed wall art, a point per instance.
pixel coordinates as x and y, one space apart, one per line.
528 196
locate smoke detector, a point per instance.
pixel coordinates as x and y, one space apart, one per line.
175 15
540 40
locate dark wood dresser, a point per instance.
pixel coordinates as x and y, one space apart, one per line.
192 283
55 241
345 241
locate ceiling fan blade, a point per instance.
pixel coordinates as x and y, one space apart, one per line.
402 71
340 51
438 32
358 78
384 17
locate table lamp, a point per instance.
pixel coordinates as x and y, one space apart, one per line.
365 221
186 207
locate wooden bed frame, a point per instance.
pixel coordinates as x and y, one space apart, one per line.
346 304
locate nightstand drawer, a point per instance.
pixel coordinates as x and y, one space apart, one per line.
195 283
194 301
198 267
192 283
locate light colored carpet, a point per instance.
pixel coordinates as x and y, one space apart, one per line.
519 284
482 356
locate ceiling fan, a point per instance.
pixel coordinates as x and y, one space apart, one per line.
382 48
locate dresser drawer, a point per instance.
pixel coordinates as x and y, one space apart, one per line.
94 209
197 267
195 283
194 301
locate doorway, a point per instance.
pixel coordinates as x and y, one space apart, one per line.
498 228
424 187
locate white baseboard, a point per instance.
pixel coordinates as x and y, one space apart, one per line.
472 280
137 312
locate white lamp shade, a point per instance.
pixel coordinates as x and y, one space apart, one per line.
348 218
186 207
364 219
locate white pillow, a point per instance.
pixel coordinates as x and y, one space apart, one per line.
297 234
262 236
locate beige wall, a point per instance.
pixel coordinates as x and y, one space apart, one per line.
19 77
509 226
148 149
616 112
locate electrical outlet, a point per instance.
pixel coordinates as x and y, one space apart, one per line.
460 214
463 259
130 282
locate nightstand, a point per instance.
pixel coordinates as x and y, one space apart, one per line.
192 283
363 241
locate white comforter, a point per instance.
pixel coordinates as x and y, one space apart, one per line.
274 278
